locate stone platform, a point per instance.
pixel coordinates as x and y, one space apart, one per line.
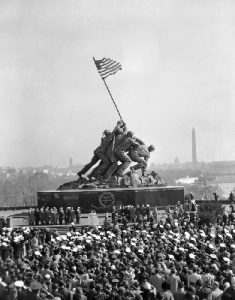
102 200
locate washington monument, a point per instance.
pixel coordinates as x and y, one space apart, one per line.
194 149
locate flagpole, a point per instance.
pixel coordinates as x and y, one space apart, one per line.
110 95
112 99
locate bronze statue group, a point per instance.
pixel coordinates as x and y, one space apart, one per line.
118 150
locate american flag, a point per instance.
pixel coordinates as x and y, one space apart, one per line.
107 66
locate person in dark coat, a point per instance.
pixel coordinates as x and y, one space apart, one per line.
37 216
78 295
229 293
35 288
64 291
55 291
61 215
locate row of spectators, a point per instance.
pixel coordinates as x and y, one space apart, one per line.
123 214
140 213
54 216
180 212
146 261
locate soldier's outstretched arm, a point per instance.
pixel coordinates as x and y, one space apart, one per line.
140 141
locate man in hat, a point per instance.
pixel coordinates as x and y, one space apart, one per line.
167 295
231 197
208 277
35 288
42 216
229 292
194 277
158 280
216 291
180 293
55 292
216 196
174 280
64 291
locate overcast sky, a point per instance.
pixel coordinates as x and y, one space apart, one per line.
178 60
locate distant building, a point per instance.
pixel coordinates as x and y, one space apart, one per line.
222 167
194 149
187 180
176 161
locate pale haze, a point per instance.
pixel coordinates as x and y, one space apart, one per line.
178 60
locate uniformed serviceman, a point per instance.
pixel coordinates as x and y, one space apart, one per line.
140 154
42 216
61 215
47 216
119 154
119 130
99 153
31 217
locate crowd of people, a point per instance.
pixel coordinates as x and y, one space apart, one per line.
147 260
54 216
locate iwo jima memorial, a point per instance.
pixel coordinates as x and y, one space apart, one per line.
115 180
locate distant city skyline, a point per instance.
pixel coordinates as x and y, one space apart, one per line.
178 71
175 162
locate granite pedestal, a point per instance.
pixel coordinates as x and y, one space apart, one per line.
103 200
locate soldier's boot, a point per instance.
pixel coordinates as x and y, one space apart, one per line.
106 179
121 169
96 180
90 177
80 180
79 174
118 179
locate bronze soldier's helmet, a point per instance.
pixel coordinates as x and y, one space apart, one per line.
151 148
130 134
120 122
107 132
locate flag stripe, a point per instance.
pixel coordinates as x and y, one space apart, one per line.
111 73
108 63
111 68
107 66
101 65
105 60
104 72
